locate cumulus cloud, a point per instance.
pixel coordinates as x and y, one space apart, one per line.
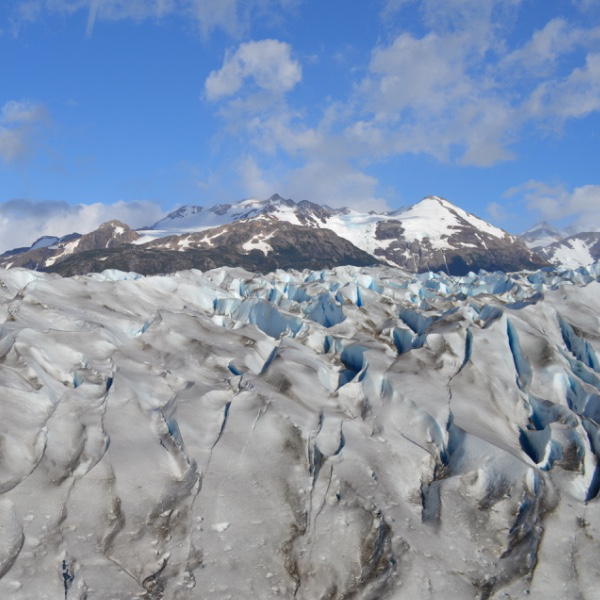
580 205
541 54
19 121
335 183
484 20
574 96
463 94
22 221
267 64
454 93
429 95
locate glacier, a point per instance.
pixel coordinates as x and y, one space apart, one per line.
355 433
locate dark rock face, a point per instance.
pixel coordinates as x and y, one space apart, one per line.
221 209
109 235
293 247
389 230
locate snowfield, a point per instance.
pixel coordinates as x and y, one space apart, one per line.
355 433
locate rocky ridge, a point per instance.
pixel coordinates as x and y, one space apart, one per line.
432 235
261 246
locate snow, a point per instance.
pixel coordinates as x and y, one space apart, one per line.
347 433
572 253
542 235
259 242
67 249
286 213
209 238
472 219
184 243
433 218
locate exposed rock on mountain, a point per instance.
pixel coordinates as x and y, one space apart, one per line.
44 242
196 218
435 235
112 234
431 235
258 245
576 251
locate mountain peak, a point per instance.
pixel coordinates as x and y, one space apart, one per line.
433 234
277 198
115 225
542 235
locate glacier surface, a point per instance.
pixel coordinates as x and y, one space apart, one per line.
355 433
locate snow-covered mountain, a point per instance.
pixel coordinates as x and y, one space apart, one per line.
570 248
432 235
575 251
541 235
357 433
42 255
43 242
197 218
259 245
262 235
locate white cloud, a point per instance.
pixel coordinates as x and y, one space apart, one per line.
335 183
482 20
462 93
585 5
580 205
254 180
266 63
542 54
23 221
413 73
18 123
574 96
432 95
232 16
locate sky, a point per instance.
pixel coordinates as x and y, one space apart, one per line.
129 109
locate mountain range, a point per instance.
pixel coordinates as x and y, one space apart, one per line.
565 247
263 235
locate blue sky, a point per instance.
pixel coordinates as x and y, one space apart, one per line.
129 109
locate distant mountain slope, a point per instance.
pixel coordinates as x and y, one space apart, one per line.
576 251
435 235
196 218
541 235
44 242
109 235
263 246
